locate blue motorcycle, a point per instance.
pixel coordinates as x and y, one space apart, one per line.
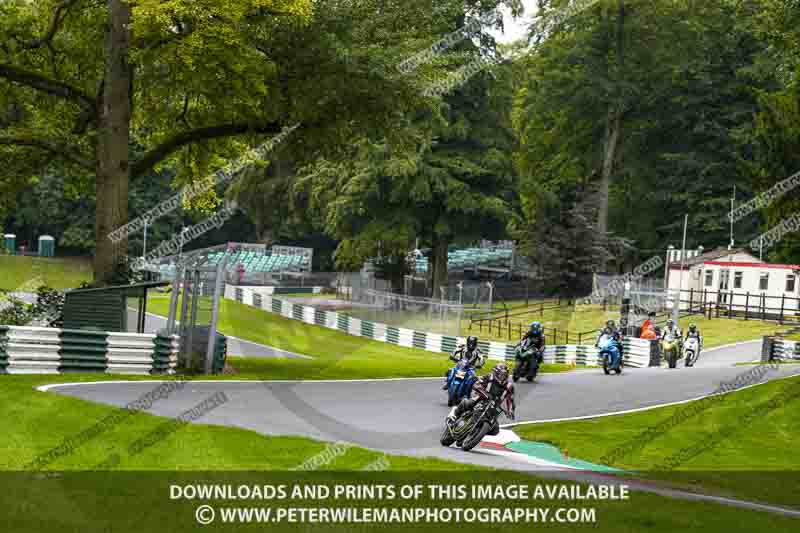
460 380
611 354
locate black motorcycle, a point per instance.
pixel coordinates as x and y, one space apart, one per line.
470 428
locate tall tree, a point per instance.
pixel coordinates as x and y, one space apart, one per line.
193 82
452 182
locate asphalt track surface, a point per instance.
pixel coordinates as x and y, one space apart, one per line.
405 416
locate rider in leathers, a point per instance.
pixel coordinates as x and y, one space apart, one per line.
537 341
497 384
471 353
694 332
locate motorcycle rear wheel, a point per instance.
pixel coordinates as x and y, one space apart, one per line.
605 366
476 436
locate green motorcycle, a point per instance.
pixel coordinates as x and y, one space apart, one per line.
526 361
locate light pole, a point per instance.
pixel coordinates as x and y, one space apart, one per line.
677 309
144 243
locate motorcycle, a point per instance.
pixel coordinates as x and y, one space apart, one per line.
691 351
610 354
460 380
470 428
669 348
527 360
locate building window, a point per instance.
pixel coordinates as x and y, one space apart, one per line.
737 280
790 282
763 283
709 278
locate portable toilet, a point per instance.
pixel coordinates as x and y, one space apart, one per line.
47 246
10 241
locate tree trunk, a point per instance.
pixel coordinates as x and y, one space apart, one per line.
438 262
113 135
613 131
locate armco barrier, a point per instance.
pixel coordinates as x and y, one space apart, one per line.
33 350
636 352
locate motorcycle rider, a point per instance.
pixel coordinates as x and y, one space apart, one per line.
693 332
469 352
671 329
536 339
498 385
610 330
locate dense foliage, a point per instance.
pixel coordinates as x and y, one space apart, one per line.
588 148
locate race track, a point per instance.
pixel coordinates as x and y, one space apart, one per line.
405 416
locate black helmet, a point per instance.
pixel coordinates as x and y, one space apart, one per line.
670 323
500 373
692 327
472 342
607 330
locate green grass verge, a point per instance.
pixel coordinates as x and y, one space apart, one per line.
24 273
36 422
757 460
336 355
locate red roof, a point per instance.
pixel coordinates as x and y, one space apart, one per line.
756 265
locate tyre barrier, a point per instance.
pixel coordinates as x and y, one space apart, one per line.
779 348
35 350
636 352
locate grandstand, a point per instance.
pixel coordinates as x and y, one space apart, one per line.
470 258
248 258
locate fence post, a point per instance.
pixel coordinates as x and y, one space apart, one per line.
509 330
763 306
746 304
691 300
783 301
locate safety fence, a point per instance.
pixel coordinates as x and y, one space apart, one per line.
35 350
637 353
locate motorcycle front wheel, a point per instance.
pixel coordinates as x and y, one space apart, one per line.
517 371
476 436
605 366
673 359
447 438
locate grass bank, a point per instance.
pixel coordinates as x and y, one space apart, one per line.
335 355
726 445
24 273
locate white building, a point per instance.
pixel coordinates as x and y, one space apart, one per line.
736 280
